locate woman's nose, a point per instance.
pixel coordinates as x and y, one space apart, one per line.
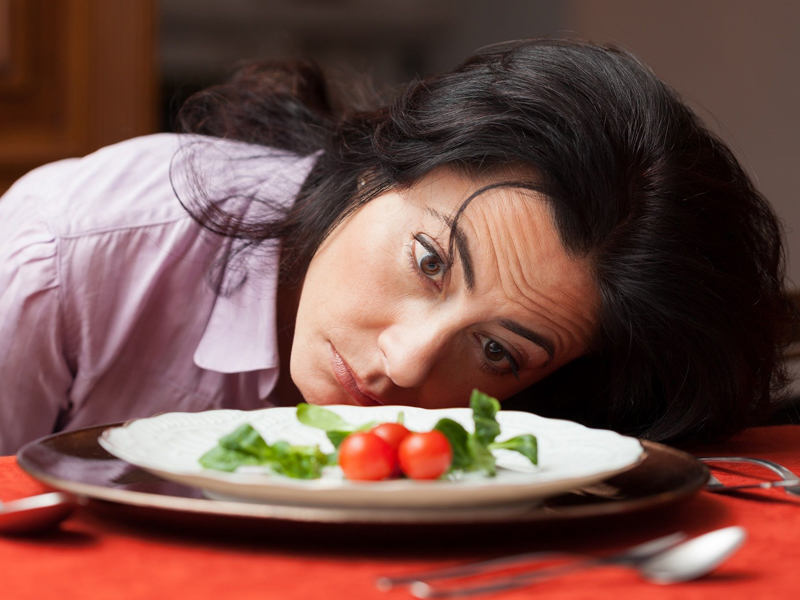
410 351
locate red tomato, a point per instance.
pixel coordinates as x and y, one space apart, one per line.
425 455
391 433
366 457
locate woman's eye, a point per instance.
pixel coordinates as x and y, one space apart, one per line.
428 261
495 355
494 351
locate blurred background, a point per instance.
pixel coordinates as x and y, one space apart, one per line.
79 74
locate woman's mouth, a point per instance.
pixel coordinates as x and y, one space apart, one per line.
349 382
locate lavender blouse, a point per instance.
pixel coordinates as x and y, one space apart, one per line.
106 312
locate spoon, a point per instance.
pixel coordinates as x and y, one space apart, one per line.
35 514
694 558
678 562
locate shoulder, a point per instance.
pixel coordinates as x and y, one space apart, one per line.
143 181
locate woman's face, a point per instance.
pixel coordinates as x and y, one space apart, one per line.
382 319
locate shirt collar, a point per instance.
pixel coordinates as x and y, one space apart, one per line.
241 333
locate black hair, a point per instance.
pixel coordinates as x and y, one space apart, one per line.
686 254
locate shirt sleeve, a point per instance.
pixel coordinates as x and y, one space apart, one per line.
34 374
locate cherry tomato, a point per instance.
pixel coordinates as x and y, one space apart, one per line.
366 457
425 455
391 433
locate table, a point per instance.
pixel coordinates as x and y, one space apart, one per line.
96 557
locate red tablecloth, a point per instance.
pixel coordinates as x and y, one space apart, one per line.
93 557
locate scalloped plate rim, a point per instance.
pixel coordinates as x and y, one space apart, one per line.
272 488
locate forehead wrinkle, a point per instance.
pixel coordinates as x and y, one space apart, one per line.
548 307
491 228
547 310
512 276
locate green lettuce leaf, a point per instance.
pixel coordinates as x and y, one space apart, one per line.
334 426
225 459
524 444
247 440
245 446
458 437
484 411
482 457
473 451
321 418
337 437
299 462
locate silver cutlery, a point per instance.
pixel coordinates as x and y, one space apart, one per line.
669 559
790 483
35 514
716 486
497 564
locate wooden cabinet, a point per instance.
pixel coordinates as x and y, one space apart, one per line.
75 75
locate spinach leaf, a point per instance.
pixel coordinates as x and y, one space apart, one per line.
482 457
473 451
247 440
484 410
225 459
321 418
337 437
457 436
300 462
524 444
334 426
245 446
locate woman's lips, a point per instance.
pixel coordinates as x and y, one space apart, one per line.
348 381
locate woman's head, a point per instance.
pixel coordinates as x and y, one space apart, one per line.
403 305
680 259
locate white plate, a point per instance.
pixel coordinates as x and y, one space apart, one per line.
570 456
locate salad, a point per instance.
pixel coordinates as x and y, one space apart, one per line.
376 451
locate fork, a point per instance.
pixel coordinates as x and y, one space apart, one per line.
790 483
497 565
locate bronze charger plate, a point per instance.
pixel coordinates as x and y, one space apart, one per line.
74 462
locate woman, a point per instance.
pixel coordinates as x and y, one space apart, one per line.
548 223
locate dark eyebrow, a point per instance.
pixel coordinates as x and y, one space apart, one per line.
469 279
536 338
463 247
